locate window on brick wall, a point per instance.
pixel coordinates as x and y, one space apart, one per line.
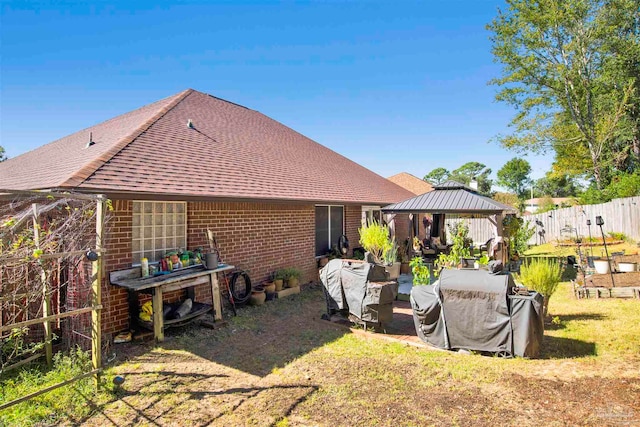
329 227
371 213
158 228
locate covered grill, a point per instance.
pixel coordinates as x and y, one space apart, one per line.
359 289
477 310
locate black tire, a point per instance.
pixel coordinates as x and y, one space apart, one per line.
240 287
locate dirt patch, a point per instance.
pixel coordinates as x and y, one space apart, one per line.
621 280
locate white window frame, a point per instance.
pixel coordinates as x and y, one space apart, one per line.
329 220
367 214
147 235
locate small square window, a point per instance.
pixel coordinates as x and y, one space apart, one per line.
158 229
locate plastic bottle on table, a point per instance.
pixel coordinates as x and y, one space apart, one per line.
144 264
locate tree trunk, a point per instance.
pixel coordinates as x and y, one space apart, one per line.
635 149
597 173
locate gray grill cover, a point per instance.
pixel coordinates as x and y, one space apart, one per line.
472 309
360 287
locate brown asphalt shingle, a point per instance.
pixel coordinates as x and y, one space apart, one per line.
232 152
411 183
60 162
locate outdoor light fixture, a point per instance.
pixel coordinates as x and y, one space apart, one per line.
91 255
600 222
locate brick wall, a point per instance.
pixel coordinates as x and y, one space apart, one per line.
353 221
257 237
402 227
115 315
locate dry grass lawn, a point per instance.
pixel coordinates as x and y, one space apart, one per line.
280 365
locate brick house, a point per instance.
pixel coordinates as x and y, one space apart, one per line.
192 162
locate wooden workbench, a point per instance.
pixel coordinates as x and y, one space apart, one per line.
186 278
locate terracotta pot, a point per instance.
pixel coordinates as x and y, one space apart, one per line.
279 284
293 282
270 287
323 261
257 298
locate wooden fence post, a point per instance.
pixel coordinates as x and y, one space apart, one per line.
46 301
96 287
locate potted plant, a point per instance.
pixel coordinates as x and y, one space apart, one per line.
460 248
292 277
541 276
374 238
278 279
390 256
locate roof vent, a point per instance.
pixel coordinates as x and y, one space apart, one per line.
91 141
190 124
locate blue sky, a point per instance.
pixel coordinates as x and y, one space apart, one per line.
393 85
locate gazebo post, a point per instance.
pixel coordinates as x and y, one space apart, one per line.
502 252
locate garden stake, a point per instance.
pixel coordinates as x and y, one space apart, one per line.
600 222
590 239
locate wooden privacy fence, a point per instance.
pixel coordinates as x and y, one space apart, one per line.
43 279
619 215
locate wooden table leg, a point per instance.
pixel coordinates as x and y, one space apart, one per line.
158 320
215 296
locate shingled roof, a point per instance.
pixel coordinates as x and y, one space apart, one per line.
411 183
450 198
230 152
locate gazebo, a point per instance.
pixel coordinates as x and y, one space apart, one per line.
453 198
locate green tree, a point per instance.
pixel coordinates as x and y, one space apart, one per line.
509 199
570 67
470 170
556 185
437 176
3 157
514 175
546 204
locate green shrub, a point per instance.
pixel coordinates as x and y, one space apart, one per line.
618 236
518 233
374 238
288 273
460 248
280 274
390 255
420 271
541 276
